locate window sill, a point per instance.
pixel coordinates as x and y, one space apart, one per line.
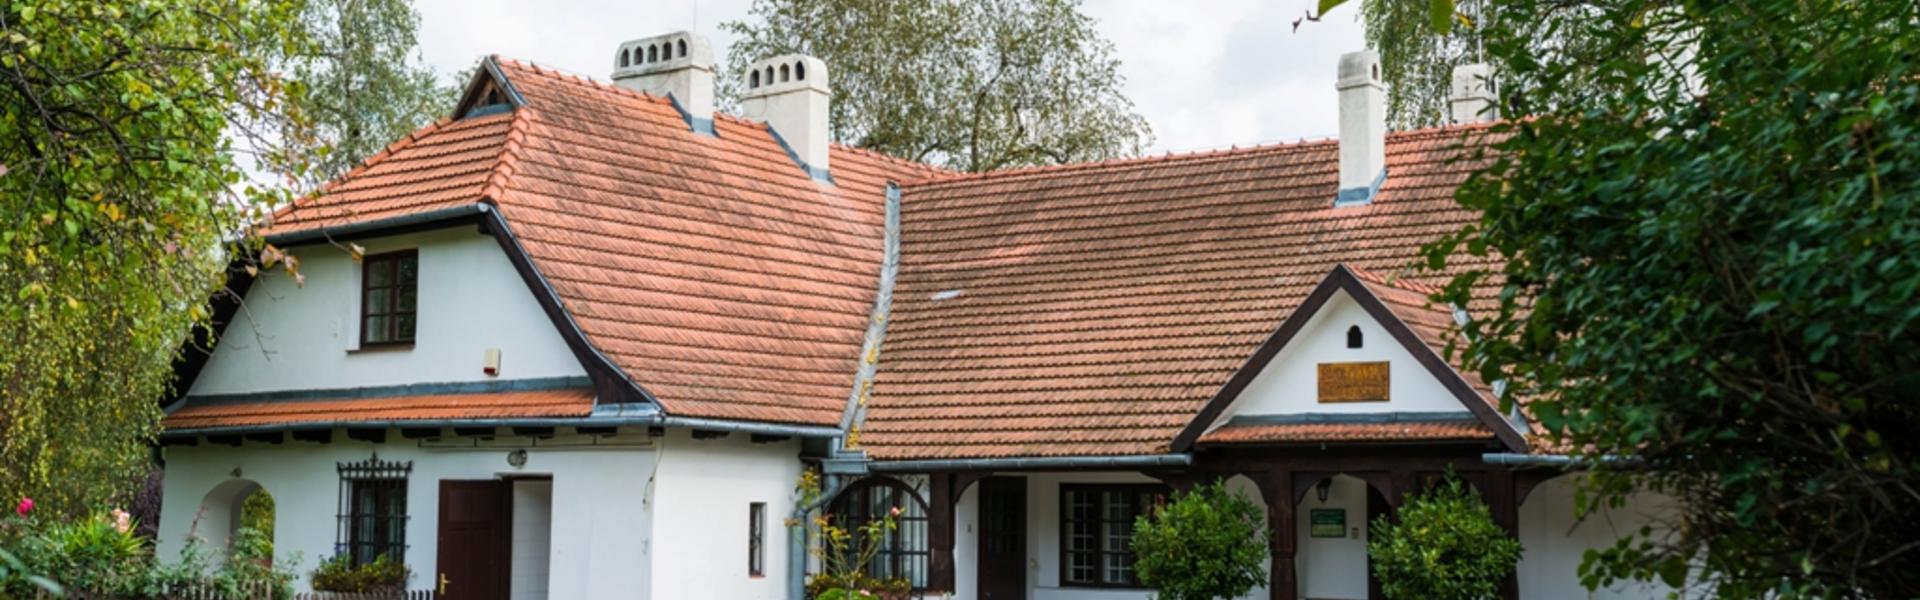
382 347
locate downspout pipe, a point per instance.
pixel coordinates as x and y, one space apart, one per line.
797 538
1559 461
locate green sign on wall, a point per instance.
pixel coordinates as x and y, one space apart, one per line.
1327 522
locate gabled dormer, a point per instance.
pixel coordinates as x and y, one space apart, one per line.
1358 361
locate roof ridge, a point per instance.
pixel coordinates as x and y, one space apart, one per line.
1234 151
495 189
1393 281
914 164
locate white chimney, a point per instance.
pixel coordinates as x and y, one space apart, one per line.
790 93
678 65
1472 96
1363 128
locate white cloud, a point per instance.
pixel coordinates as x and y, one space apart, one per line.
1205 74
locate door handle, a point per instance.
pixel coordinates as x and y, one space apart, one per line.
443 585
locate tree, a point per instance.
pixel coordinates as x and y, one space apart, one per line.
364 84
1208 543
1445 547
1704 233
118 192
1418 50
973 85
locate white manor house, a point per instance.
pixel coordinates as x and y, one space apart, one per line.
598 332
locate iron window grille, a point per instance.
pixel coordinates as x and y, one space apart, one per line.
1096 532
373 510
756 537
906 552
389 297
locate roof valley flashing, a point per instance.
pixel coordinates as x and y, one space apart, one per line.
1363 128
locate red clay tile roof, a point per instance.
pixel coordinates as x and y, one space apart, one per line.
495 405
720 277
1093 309
1270 433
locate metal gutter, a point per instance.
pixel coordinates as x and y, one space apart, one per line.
351 229
654 420
1555 460
1033 463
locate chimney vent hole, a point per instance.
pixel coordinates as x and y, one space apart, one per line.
785 73
769 74
800 71
624 58
754 81
1376 71
682 47
653 54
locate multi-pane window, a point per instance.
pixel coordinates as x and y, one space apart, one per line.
373 510
756 539
388 297
1096 532
905 552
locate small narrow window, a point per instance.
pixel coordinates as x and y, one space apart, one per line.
1353 337
388 297
756 539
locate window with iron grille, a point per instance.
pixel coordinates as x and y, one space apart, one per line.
1096 532
756 539
389 296
373 510
905 553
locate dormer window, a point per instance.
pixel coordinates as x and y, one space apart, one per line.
388 298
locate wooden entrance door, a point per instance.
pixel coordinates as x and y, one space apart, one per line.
476 532
1003 538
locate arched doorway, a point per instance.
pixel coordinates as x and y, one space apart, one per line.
1331 537
905 553
237 520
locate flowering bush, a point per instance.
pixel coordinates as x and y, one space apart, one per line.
105 555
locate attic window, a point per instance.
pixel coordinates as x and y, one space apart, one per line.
1353 337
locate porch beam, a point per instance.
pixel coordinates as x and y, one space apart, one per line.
943 495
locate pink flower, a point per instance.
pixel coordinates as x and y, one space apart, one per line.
26 506
122 521
895 511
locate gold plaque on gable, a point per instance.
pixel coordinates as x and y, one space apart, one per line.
1353 382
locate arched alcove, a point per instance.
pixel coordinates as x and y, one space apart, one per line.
228 507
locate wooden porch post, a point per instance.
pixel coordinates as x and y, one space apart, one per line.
941 500
1277 487
1503 501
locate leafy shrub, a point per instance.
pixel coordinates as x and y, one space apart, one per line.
339 574
99 555
856 586
1207 543
1446 547
106 556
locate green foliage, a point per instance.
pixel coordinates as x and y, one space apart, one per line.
856 586
1419 46
1445 547
1207 543
339 574
118 189
104 556
256 513
845 552
1705 243
364 84
973 85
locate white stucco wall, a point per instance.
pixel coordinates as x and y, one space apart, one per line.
290 337
1554 541
532 538
1289 384
1333 568
702 493
598 530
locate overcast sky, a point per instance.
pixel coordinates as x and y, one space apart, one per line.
1208 74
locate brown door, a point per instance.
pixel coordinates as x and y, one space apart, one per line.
476 520
1003 538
